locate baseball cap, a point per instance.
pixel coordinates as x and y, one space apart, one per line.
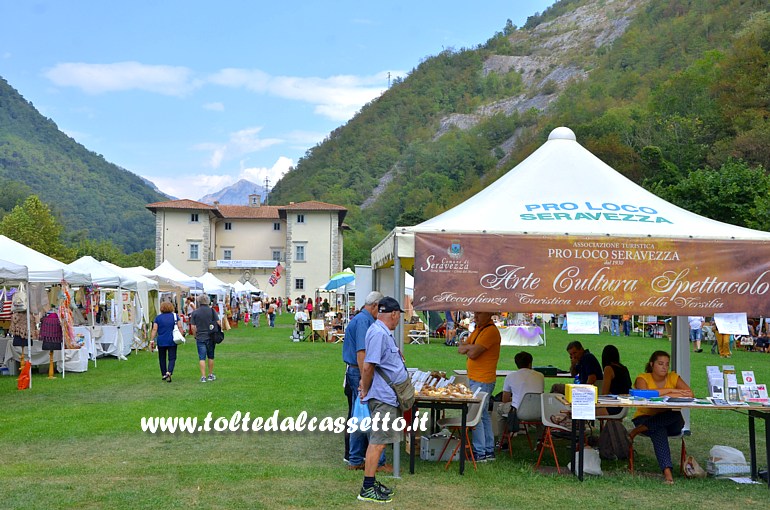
388 304
373 297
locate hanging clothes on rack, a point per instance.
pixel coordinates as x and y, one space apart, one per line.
51 332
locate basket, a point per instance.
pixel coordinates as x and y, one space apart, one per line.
726 468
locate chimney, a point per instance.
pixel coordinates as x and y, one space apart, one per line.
254 200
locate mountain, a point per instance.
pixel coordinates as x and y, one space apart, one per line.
94 199
236 194
671 93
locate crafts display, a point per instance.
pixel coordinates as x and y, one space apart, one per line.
435 384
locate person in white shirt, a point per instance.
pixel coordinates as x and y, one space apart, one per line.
519 383
696 330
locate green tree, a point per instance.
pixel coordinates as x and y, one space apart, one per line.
33 225
735 193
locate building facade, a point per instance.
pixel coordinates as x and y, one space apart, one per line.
245 243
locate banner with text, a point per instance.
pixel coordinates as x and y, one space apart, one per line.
489 272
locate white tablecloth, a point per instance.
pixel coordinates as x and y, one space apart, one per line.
521 335
75 360
107 342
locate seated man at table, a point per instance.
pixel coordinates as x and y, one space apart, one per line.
583 366
516 385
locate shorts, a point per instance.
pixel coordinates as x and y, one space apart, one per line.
383 436
205 349
695 335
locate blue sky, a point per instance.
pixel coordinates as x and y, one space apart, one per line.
195 95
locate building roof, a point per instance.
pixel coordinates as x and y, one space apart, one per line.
249 212
182 204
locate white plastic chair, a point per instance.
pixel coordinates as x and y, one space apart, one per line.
550 405
529 414
472 419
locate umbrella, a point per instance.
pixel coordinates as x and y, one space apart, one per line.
340 279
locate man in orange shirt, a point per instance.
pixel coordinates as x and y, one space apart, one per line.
483 350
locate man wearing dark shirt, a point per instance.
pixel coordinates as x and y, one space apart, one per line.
584 365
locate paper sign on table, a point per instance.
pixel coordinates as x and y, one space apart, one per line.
583 402
748 377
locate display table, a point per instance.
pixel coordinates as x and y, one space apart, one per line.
437 404
414 332
753 412
106 339
521 335
75 360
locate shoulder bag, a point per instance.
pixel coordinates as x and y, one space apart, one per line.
404 390
19 299
178 336
216 334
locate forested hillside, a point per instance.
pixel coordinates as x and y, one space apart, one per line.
92 198
674 94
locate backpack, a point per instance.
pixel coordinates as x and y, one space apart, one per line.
614 441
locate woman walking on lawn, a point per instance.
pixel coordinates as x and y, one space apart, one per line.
163 327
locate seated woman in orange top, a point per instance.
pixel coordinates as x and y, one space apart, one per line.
659 424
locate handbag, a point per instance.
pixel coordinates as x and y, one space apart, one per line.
404 390
19 299
692 469
216 334
178 336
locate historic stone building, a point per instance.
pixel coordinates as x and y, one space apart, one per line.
246 242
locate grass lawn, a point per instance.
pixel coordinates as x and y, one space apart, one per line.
77 442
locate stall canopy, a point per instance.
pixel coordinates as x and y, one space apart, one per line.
213 285
10 272
42 268
146 289
164 284
168 270
101 275
563 231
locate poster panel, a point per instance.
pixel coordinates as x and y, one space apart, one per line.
517 273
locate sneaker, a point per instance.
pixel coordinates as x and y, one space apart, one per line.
383 489
385 468
203 379
356 467
212 377
480 458
373 494
490 457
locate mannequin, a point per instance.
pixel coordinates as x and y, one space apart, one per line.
51 336
19 331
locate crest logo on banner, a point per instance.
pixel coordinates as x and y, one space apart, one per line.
276 275
455 250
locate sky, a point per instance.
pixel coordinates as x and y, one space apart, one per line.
195 95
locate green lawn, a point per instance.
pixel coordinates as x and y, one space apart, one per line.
77 442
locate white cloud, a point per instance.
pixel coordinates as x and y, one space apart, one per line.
199 185
245 141
257 174
336 97
194 186
214 107
122 76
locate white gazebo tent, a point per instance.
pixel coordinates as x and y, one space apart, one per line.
106 277
213 285
167 269
560 190
42 270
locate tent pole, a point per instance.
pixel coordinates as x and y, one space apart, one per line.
400 342
680 352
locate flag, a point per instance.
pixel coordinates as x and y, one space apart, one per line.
273 280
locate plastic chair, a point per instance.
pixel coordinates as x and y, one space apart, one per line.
529 415
682 455
550 405
472 419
